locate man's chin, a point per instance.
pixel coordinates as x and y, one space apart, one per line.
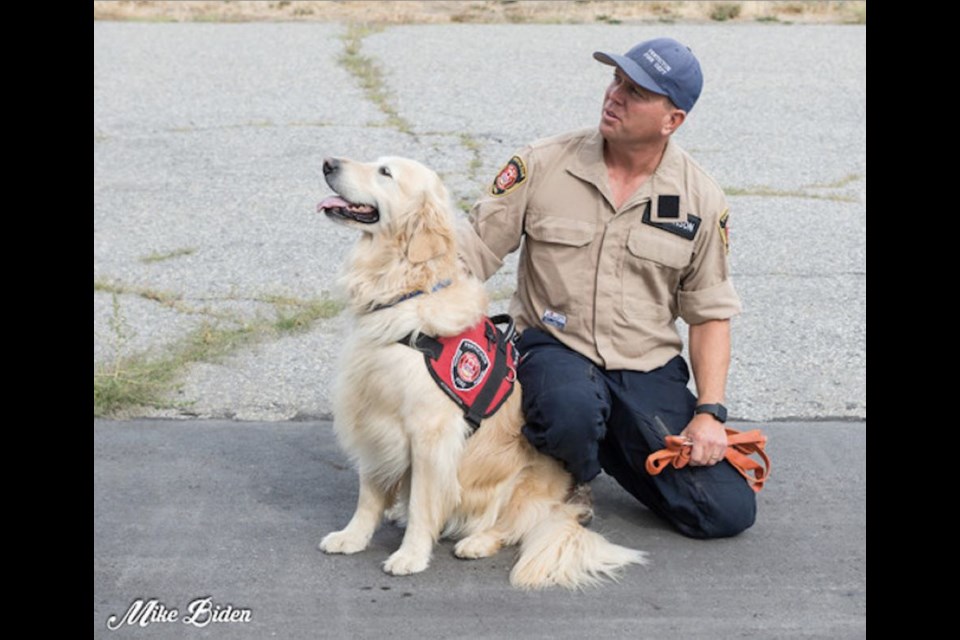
608 129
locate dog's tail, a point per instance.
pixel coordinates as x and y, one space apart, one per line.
559 551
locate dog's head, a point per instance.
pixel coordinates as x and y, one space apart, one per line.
397 199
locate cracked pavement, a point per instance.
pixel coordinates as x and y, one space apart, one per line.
208 140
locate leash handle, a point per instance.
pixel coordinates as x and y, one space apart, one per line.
740 445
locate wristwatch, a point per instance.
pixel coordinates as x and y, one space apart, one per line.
718 411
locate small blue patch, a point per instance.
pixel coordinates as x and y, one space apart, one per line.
554 319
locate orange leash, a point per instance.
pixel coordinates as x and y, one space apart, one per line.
740 446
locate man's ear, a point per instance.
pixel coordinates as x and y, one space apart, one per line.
673 121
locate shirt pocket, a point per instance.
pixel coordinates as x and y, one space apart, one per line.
661 247
562 231
655 261
559 264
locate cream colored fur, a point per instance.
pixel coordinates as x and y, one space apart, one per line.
409 441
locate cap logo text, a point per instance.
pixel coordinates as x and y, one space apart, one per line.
658 63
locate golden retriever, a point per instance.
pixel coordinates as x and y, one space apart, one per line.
409 441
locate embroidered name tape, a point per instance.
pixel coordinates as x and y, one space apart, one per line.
686 229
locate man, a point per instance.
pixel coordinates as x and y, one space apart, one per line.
623 233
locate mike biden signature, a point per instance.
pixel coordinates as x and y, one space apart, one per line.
199 613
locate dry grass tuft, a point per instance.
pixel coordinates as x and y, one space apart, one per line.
482 11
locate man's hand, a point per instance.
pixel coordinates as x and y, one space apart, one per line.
709 440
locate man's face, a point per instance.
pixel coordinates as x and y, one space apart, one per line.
632 114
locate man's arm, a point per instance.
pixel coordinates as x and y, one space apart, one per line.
494 226
709 344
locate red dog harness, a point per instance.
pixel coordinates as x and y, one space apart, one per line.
476 368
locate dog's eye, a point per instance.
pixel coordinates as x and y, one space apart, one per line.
385 171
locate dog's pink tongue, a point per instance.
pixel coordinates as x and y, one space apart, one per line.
333 202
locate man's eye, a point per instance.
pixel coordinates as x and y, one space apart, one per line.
385 171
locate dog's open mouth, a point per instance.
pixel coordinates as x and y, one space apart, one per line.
337 207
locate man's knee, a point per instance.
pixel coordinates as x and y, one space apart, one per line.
565 403
729 511
569 407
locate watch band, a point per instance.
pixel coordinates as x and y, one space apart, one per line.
718 411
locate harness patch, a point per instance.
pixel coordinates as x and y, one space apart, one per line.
510 177
469 366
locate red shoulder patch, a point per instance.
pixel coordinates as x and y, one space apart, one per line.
510 177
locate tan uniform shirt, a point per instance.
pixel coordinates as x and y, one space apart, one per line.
608 283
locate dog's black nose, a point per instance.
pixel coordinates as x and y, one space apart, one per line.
330 165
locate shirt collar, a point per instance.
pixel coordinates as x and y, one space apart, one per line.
588 164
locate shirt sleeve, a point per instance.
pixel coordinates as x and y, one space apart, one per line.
706 291
495 223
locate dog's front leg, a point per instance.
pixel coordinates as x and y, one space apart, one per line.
434 493
357 534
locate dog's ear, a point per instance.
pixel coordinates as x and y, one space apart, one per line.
431 235
425 245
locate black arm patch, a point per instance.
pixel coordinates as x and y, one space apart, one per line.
686 229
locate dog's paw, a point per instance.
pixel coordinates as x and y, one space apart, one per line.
479 545
342 542
402 563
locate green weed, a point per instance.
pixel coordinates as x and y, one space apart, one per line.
147 380
722 11
369 75
167 255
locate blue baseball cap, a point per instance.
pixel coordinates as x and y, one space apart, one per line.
661 65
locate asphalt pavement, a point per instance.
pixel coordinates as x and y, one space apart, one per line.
208 140
230 513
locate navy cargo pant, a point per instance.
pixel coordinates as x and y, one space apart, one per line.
592 419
